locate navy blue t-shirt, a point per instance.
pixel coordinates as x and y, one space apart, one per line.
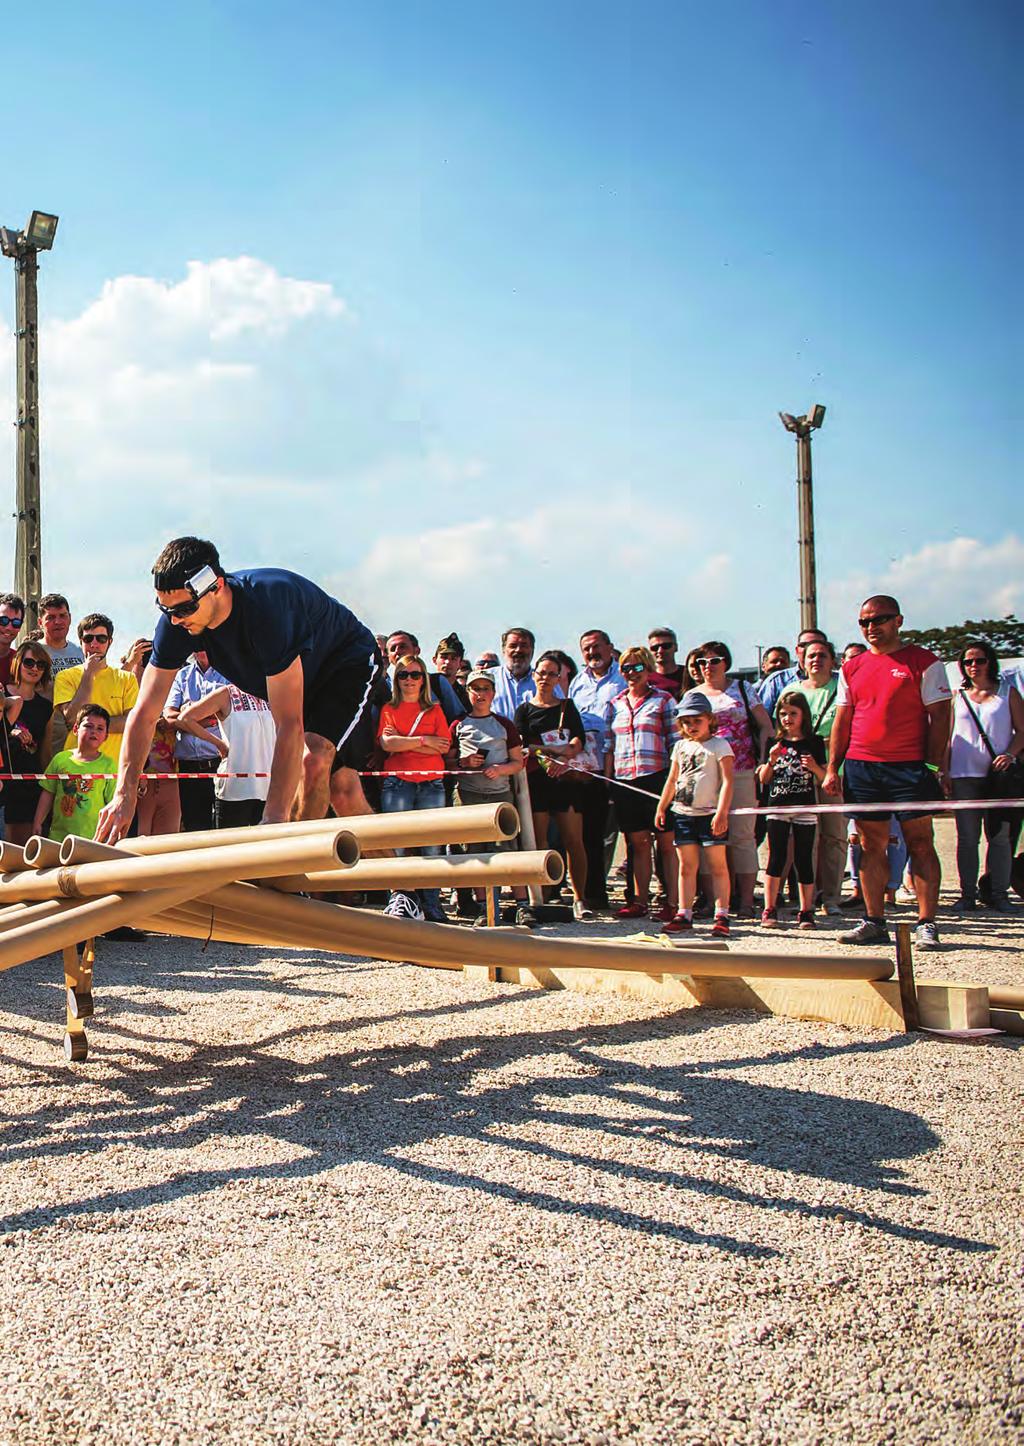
276 617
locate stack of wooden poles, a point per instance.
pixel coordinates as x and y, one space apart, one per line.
251 886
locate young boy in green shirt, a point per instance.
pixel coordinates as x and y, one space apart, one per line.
76 802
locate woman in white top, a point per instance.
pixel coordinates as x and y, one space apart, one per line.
986 707
740 719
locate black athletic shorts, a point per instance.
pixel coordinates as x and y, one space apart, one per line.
337 705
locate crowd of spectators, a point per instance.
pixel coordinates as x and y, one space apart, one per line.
670 755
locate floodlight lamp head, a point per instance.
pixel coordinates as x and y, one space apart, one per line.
40 231
789 422
816 415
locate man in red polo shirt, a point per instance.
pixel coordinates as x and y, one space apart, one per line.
891 728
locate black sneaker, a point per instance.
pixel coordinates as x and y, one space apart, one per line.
125 935
866 932
525 917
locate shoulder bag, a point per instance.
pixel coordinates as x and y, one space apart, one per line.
1002 782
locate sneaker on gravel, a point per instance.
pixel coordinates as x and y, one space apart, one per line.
926 936
632 911
965 906
582 912
905 896
833 911
720 928
805 919
664 914
678 924
403 906
769 918
866 932
1000 904
525 917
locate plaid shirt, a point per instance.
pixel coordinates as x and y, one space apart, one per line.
644 733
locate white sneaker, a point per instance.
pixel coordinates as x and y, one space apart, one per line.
905 896
403 906
582 913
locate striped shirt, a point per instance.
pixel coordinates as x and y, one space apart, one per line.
644 733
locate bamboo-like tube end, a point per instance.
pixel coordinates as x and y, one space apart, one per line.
347 848
41 853
508 820
12 858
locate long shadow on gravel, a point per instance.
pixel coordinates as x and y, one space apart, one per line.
491 1093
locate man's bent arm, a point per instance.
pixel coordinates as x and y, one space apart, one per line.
939 720
285 693
839 738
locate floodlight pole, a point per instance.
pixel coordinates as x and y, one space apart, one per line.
28 572
802 427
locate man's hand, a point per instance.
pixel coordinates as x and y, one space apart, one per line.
473 760
830 783
115 820
93 664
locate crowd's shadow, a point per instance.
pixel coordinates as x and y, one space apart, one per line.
509 1091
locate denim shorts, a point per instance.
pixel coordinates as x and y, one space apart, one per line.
867 782
694 828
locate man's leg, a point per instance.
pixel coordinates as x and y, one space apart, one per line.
924 864
313 794
874 864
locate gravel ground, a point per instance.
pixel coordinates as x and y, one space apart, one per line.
296 1199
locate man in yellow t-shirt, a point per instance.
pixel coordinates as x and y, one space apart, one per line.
94 682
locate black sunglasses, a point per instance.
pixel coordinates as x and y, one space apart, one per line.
975 662
187 609
33 663
95 638
661 647
6 622
706 662
635 668
404 673
877 618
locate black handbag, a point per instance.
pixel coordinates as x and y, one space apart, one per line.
1002 782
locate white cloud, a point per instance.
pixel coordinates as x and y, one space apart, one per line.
941 583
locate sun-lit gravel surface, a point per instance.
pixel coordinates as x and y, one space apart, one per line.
296 1199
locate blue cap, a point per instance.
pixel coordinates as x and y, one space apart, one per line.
693 704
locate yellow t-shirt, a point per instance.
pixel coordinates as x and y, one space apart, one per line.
112 688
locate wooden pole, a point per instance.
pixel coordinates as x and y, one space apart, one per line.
905 974
459 871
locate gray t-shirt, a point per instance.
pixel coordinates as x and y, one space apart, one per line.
700 775
492 736
65 657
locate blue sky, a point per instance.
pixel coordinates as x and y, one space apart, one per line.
526 288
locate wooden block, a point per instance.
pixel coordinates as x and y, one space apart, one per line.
486 973
858 1003
952 1006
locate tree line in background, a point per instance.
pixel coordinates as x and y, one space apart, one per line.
1005 635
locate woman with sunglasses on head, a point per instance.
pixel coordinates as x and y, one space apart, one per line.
987 736
26 715
413 732
643 728
741 720
553 733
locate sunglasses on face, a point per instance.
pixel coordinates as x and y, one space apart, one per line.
95 638
706 662
537 673
186 609
6 622
975 662
662 647
33 663
877 618
404 674
635 668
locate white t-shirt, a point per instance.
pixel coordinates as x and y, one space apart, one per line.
699 779
251 735
968 756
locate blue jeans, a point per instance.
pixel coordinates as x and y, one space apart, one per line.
405 795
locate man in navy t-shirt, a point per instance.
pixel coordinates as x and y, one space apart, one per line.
280 637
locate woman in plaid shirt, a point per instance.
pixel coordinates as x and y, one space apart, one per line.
643 730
